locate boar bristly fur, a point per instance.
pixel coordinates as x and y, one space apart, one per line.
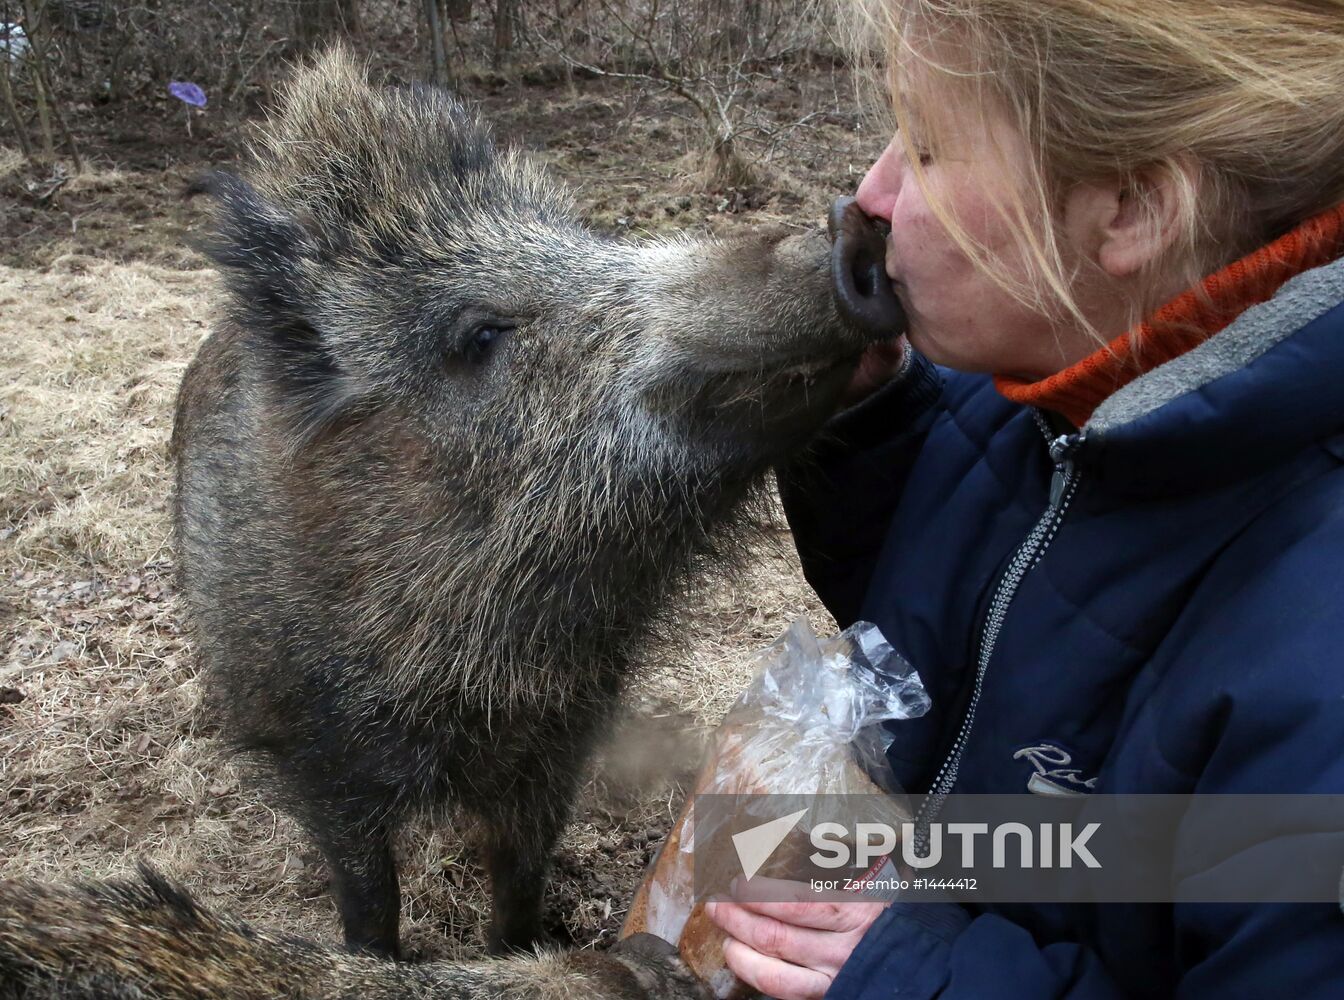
147 939
447 462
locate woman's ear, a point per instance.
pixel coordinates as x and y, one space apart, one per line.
1146 221
1126 225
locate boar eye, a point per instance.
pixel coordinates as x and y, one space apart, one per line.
482 341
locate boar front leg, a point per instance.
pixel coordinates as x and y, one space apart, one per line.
522 834
364 883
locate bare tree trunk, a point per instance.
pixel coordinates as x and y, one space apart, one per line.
506 13
351 22
232 76
43 115
440 60
315 21
458 10
37 56
307 23
752 23
12 109
457 38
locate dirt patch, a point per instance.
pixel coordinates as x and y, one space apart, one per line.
111 213
105 755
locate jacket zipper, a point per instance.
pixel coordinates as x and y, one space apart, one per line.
1063 485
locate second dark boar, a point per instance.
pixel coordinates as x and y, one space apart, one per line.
145 938
448 460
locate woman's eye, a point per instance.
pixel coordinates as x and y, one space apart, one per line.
925 159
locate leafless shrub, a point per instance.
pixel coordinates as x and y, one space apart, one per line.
713 54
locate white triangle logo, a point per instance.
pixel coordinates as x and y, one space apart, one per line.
755 846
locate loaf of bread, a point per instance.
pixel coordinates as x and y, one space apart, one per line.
665 902
815 708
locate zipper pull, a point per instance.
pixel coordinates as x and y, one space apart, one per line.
1062 450
1057 482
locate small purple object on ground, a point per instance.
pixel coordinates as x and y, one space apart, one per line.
188 93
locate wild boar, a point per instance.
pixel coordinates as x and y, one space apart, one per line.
147 938
449 460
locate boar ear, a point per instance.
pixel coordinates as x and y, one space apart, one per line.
267 258
263 254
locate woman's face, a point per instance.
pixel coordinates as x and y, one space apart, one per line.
958 316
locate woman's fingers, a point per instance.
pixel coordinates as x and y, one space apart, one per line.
821 950
772 976
787 941
795 903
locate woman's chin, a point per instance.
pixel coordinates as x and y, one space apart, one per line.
941 352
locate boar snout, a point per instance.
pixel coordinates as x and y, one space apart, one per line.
863 292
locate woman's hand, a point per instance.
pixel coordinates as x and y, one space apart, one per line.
792 948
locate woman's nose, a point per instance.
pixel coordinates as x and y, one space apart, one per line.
881 185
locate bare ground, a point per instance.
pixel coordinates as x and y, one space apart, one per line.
105 756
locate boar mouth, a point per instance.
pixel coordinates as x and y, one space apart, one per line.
751 415
793 368
776 391
815 367
767 398
762 369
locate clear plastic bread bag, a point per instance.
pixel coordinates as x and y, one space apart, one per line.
813 721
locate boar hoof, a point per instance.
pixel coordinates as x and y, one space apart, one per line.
658 968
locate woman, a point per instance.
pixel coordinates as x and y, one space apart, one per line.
1109 529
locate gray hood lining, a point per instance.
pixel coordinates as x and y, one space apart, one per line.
1301 300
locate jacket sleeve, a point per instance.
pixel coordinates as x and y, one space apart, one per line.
925 950
1250 701
840 496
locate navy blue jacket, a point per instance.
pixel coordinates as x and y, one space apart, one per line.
1170 620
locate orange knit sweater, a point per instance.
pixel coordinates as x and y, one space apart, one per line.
1184 322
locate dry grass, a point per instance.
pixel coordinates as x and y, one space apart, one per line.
11 161
97 178
105 756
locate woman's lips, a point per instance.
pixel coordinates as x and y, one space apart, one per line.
883 354
877 365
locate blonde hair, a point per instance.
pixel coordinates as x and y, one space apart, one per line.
1239 103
